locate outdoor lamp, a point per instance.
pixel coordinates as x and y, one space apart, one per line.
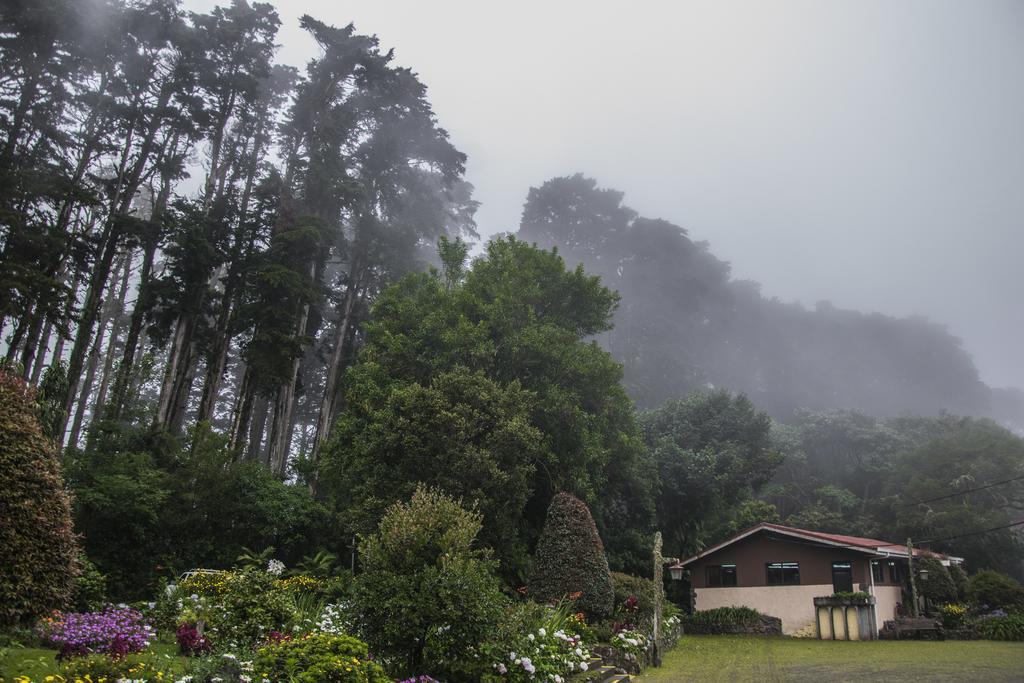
676 572
923 574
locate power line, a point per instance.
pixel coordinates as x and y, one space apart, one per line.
972 533
961 493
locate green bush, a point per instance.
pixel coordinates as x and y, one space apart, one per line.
723 620
939 586
953 615
536 642
991 589
90 587
626 586
134 667
1009 627
318 658
37 543
427 598
570 559
239 609
960 579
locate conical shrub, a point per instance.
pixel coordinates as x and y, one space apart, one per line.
570 559
38 549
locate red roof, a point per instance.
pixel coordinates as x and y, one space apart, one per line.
872 546
858 541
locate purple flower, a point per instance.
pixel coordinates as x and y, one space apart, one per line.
116 631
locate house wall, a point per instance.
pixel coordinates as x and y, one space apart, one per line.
886 599
751 554
793 604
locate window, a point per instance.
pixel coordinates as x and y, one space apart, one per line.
842 577
721 575
895 572
782 573
877 572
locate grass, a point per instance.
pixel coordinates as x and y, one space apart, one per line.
747 658
37 663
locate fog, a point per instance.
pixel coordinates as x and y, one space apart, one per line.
866 153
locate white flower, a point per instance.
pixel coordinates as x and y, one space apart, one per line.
502 669
542 632
275 567
558 679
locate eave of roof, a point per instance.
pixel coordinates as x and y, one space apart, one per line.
870 546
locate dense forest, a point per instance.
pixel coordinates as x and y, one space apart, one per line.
245 296
684 325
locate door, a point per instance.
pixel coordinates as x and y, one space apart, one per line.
842 577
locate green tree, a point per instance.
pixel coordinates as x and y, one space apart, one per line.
427 596
36 537
502 351
570 559
464 433
937 587
968 454
712 451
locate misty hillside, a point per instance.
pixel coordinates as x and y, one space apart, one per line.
683 324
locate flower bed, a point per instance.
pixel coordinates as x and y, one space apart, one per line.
115 631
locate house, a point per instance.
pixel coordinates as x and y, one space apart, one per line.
779 570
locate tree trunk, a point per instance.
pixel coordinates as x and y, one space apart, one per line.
241 413
109 241
114 345
172 374
332 381
142 301
93 364
28 353
257 427
243 244
44 346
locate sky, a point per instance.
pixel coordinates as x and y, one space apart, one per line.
865 152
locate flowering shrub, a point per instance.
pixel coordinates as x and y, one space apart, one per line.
538 644
116 631
135 667
952 615
634 601
206 583
318 658
227 668
238 610
633 644
190 641
336 619
301 583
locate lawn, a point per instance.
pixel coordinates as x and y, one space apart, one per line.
37 663
739 658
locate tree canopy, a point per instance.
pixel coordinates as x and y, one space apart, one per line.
481 382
